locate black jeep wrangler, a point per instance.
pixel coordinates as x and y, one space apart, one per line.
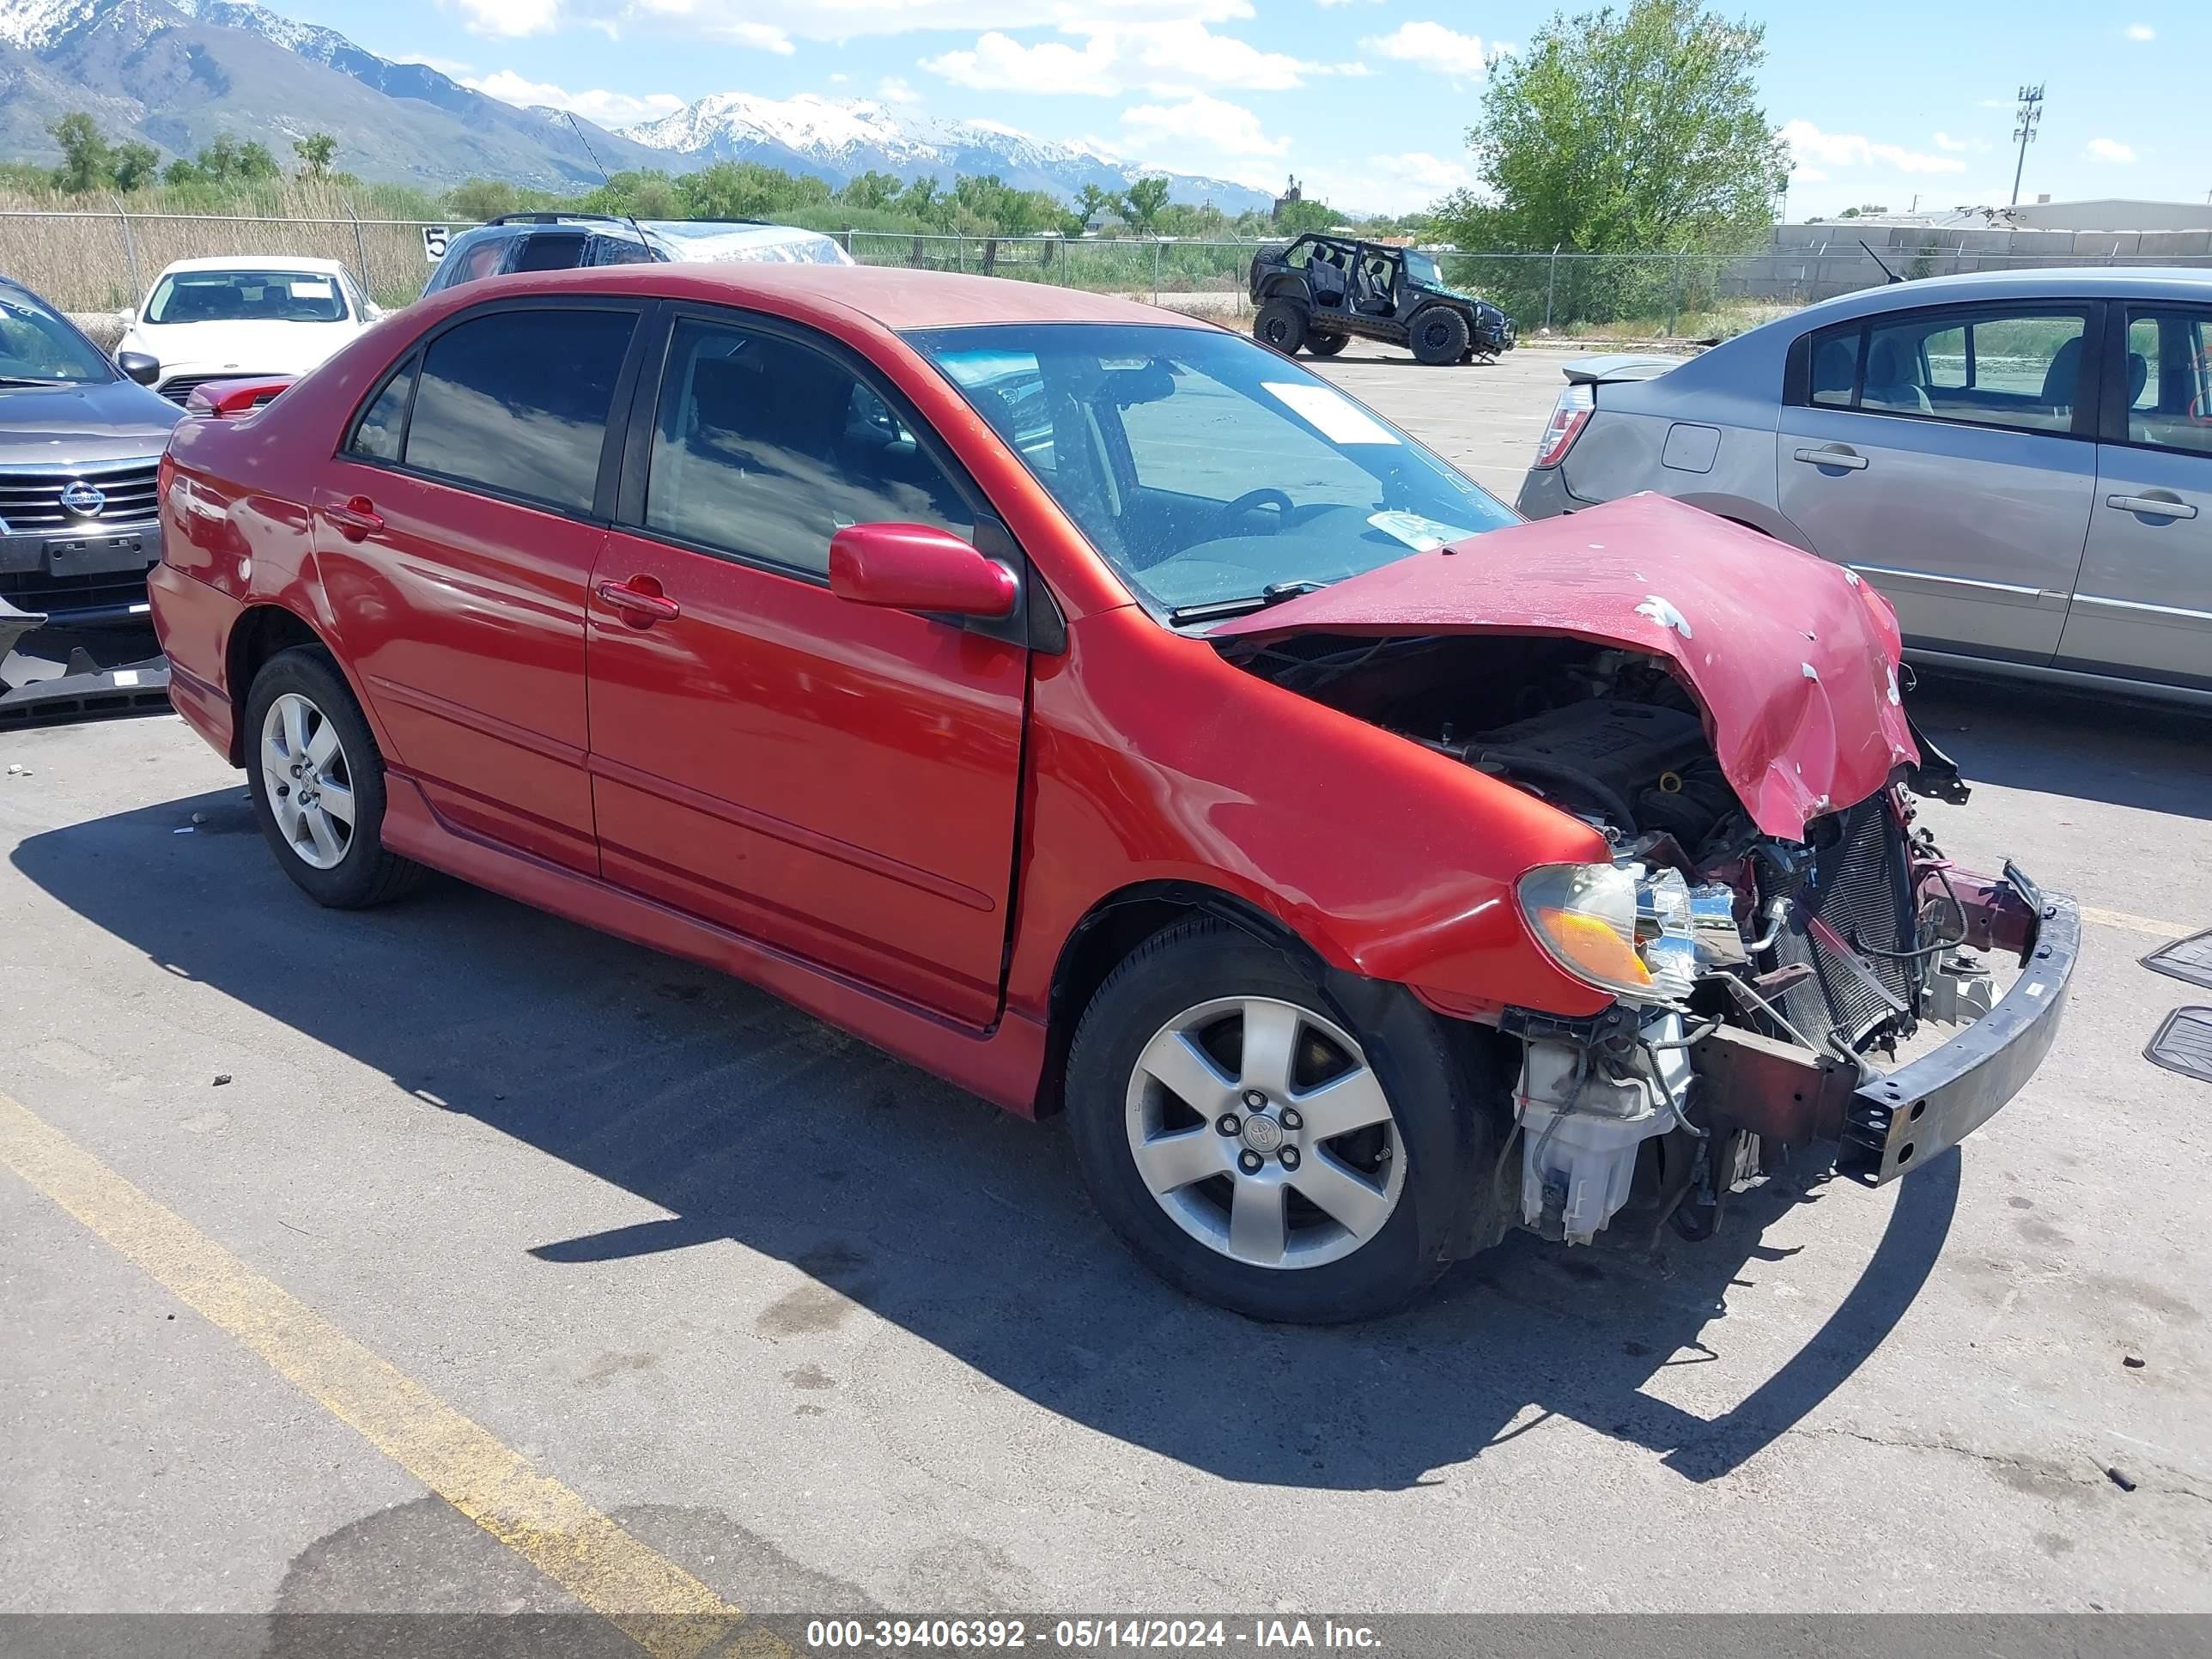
1322 290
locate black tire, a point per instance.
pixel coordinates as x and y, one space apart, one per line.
364 873
1327 345
1445 1144
1280 324
1438 334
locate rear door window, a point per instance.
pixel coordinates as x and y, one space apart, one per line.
2000 367
516 402
550 250
2169 379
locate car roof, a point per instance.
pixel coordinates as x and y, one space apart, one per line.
2044 283
891 296
256 262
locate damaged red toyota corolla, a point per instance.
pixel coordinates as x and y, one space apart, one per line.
1100 711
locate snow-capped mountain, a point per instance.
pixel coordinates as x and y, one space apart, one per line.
839 138
175 73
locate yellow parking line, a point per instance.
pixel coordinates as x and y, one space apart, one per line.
650 1600
2135 924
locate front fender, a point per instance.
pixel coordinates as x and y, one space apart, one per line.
1153 761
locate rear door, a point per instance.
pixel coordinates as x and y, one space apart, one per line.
1948 455
2143 607
834 779
455 533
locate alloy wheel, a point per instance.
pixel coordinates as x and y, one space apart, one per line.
1262 1130
307 779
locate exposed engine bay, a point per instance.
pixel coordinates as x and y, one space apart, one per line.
1708 931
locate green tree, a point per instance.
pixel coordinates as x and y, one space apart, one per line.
134 165
923 200
1092 203
87 163
315 151
870 192
651 194
1142 201
254 161
1625 132
1299 217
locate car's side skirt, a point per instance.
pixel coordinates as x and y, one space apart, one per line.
1003 1063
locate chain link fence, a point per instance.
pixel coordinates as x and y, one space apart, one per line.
94 261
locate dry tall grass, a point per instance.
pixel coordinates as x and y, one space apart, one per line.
90 257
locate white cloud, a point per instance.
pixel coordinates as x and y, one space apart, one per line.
1229 129
1808 176
1433 45
1851 149
1171 57
999 62
2142 31
1945 141
509 19
609 109
761 37
771 25
893 90
2110 149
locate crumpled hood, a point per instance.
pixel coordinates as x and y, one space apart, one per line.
1793 660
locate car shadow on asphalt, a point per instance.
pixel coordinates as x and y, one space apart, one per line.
903 1196
2089 746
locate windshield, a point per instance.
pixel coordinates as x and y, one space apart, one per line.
37 346
245 296
1423 269
1203 467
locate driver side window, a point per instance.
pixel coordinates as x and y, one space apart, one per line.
766 449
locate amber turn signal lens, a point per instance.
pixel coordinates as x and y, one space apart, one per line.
1588 947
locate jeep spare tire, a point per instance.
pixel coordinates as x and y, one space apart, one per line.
1438 335
1280 324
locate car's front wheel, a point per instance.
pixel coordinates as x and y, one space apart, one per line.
1327 345
317 782
1245 1139
1438 335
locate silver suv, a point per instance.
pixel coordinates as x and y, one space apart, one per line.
2021 462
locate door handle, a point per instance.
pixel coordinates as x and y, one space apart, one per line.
1843 458
637 604
2162 507
355 519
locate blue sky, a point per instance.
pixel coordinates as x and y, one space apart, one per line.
1367 100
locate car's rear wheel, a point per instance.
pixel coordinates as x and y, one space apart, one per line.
317 782
1438 335
1280 324
1245 1138
1327 345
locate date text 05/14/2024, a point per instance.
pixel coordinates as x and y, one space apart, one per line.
1081 1635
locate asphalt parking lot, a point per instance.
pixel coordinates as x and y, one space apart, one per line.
471 1213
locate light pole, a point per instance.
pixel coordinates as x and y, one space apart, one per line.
2027 117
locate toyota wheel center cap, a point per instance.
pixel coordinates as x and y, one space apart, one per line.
1262 1135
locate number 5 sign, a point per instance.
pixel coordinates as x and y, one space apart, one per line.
433 242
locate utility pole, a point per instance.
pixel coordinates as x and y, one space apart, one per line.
2027 117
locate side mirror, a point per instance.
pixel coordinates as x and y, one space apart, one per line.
139 367
913 567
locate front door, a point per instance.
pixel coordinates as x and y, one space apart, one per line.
1947 455
2143 607
454 535
836 779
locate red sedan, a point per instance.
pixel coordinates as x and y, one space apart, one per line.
1097 709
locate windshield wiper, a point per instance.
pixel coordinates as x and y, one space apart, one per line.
1215 609
19 379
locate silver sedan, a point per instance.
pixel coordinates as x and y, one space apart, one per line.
2022 462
